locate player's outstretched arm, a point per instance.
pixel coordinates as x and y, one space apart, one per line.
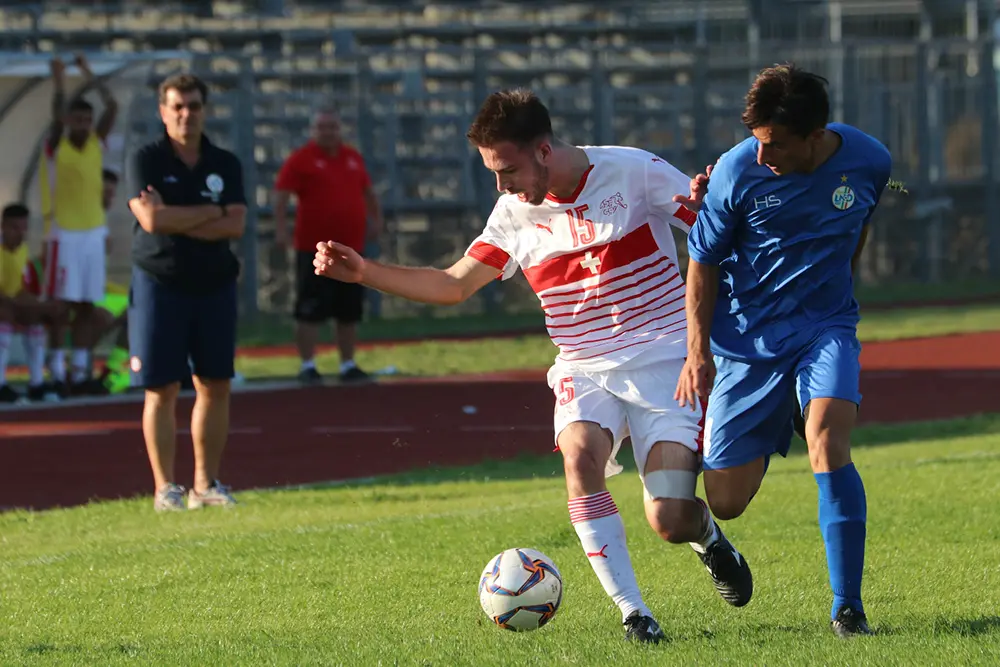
424 284
698 374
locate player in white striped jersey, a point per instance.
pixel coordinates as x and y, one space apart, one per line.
590 229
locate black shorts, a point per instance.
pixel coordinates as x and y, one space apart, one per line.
318 299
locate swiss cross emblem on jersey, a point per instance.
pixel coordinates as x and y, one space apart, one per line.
591 263
610 205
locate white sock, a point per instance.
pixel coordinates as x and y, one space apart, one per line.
347 365
34 348
602 534
309 364
81 365
711 533
57 365
6 334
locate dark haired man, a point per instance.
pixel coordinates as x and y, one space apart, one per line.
75 224
183 294
590 229
771 310
20 305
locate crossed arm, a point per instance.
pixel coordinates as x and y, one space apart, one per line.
207 222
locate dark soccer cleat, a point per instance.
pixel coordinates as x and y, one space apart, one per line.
310 377
730 571
639 628
354 374
850 623
8 394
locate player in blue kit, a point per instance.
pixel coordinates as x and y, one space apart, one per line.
772 319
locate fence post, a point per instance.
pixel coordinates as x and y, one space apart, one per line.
244 144
988 78
600 92
489 296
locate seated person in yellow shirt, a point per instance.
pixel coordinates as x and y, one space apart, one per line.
20 305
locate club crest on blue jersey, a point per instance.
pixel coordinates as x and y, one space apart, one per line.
843 196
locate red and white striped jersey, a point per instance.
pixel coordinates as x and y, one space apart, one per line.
603 261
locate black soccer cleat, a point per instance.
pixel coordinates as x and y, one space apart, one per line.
310 377
730 571
8 394
354 374
850 623
645 629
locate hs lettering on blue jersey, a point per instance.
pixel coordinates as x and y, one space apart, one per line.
783 244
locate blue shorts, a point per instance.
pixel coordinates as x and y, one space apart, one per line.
171 331
751 405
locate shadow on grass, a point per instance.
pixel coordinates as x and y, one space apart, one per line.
533 466
968 627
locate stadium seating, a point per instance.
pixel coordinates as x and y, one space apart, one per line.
408 75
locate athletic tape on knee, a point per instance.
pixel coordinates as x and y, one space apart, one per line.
678 484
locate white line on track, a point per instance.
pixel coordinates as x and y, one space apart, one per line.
334 430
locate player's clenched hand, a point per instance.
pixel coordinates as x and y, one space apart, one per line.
695 382
698 187
337 261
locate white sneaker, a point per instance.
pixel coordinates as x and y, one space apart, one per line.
169 498
217 495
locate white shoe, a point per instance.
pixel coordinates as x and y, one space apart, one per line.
169 498
217 495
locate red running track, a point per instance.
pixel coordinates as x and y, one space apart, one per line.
70 454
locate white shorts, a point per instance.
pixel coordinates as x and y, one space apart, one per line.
636 403
76 266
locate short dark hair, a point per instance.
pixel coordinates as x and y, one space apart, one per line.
13 211
80 104
789 96
109 175
516 115
183 83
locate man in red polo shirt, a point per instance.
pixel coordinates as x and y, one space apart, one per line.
335 202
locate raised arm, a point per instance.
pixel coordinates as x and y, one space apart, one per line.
107 120
424 284
58 103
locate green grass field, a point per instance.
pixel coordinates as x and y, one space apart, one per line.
536 351
385 573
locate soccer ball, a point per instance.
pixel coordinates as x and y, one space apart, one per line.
520 589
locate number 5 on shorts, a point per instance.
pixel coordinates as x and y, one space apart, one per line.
565 391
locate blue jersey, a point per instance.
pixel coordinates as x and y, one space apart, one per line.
783 244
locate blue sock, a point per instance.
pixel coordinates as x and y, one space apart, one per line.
842 515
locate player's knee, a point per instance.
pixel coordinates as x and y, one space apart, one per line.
671 508
211 389
726 508
828 449
828 433
27 316
675 521
165 397
585 449
727 501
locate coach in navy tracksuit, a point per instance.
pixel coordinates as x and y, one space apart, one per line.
182 302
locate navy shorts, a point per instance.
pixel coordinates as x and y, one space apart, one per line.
171 332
